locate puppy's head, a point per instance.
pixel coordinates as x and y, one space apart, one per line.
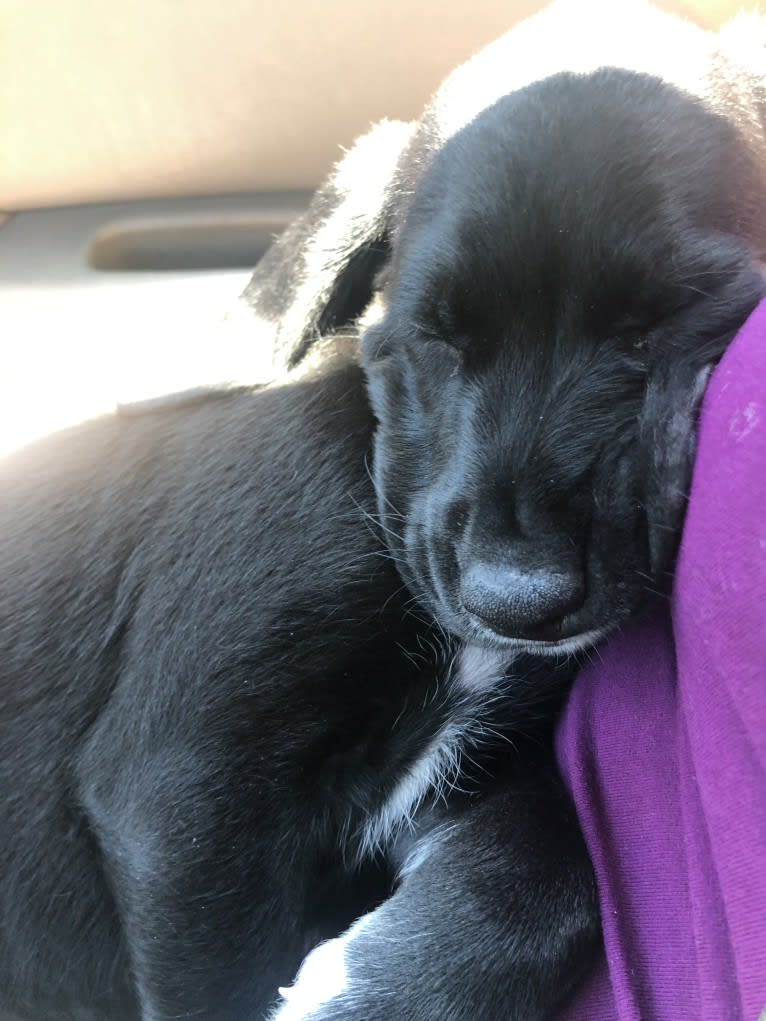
568 270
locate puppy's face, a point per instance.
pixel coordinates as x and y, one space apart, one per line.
566 275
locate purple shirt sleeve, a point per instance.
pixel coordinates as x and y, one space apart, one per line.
663 745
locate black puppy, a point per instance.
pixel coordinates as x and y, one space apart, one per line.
571 266
218 719
545 280
210 716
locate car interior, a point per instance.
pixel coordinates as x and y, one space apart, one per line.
152 150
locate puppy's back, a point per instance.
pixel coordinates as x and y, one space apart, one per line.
150 554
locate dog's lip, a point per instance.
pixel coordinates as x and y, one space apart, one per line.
575 643
562 646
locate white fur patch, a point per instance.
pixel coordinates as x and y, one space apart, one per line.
362 179
436 769
475 674
322 976
562 37
479 669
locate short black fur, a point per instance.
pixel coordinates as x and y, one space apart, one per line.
213 678
211 684
571 266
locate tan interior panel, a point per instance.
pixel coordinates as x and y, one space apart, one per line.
103 100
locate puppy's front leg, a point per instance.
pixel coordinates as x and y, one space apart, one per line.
208 879
495 917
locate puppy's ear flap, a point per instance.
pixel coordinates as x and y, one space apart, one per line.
668 427
319 275
674 392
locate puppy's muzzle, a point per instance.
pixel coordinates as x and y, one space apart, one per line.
530 604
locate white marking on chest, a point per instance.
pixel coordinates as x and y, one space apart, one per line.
431 774
322 977
475 673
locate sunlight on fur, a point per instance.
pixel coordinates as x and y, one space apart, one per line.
72 353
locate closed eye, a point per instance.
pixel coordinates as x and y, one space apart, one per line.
432 335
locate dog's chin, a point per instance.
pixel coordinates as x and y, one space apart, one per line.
474 632
569 646
563 647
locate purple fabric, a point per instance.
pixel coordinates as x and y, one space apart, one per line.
663 745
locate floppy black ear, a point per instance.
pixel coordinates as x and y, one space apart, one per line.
318 276
668 427
697 339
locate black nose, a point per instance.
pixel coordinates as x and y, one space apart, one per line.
519 603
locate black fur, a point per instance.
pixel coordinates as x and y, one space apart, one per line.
210 684
196 651
562 277
213 677
571 266
566 260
